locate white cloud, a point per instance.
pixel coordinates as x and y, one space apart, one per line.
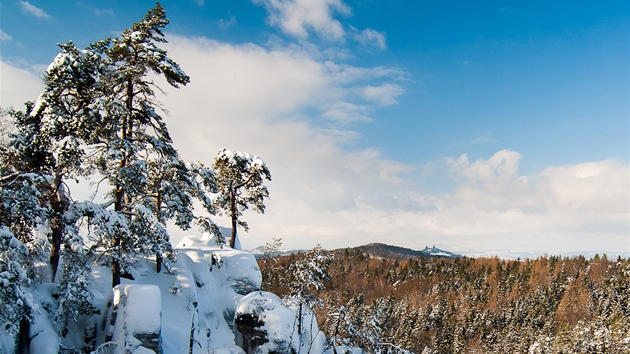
370 37
266 102
501 165
345 113
18 86
262 101
579 188
484 138
225 24
33 10
101 12
578 207
4 37
343 73
383 95
297 17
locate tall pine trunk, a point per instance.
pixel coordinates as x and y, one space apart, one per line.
59 205
158 257
116 242
126 134
233 214
55 243
23 340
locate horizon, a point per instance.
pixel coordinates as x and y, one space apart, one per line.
484 127
501 254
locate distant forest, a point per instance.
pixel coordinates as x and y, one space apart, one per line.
469 305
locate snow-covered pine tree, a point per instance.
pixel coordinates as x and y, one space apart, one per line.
271 250
239 178
308 272
21 211
16 305
52 137
21 192
74 287
171 183
125 159
6 126
206 186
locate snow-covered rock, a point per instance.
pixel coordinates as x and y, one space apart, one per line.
133 319
190 308
44 339
266 324
222 276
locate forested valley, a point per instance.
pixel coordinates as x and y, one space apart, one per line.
468 305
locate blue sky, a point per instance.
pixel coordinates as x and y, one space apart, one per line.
485 126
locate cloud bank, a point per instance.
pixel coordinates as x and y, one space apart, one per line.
18 86
302 115
278 103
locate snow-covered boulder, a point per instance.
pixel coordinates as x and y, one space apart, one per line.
264 325
133 319
43 337
222 276
235 269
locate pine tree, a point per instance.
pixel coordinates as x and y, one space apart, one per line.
22 194
74 293
131 159
21 210
51 137
206 186
16 304
239 177
49 140
309 272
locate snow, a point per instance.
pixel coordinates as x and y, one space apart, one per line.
143 350
44 339
277 320
202 294
7 342
177 312
221 276
344 350
144 308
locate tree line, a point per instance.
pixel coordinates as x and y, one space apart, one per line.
98 118
468 305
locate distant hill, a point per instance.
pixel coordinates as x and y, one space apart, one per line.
392 252
377 250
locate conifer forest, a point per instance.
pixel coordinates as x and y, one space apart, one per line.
469 305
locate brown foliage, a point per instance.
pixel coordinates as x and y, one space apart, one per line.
477 304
